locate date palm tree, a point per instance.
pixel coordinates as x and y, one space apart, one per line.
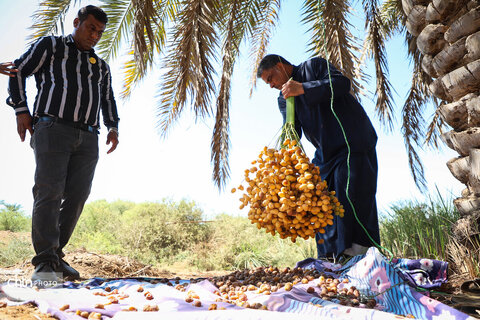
445 38
187 38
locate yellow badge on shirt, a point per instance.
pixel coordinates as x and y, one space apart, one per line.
92 60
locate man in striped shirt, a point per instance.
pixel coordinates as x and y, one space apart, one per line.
73 85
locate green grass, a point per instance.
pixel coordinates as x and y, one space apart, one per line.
15 251
418 230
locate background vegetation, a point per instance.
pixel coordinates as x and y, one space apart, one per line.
418 230
12 218
168 233
175 235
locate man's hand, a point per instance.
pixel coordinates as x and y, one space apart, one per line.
8 69
113 138
24 123
292 88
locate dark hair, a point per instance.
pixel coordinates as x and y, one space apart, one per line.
96 12
268 62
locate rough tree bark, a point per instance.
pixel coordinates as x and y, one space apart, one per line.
447 33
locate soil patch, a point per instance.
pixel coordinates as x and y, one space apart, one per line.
89 265
24 312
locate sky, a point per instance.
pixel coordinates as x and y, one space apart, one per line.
147 167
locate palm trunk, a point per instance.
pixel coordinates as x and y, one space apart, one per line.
447 34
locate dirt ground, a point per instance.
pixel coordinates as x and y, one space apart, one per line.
112 266
89 265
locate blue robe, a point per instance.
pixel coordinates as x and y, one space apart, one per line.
313 117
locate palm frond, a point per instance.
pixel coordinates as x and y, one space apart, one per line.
49 17
393 18
413 121
329 26
239 19
130 75
267 16
410 133
220 139
145 16
138 64
189 66
376 47
120 15
435 129
235 27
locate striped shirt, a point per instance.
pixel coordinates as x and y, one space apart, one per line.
72 84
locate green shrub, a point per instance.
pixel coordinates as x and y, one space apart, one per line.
150 232
168 233
158 231
98 227
13 219
235 243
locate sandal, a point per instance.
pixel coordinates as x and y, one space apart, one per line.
471 287
469 304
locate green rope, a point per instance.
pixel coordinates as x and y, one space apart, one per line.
322 24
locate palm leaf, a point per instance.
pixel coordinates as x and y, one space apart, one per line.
130 75
120 17
413 121
138 64
48 17
267 16
393 18
238 18
234 12
435 129
145 13
189 67
220 139
329 26
375 40
131 71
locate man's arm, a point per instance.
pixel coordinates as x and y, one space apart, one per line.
109 112
318 90
8 69
29 63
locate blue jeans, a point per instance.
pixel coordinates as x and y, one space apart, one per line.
66 158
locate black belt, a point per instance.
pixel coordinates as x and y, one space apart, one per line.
78 125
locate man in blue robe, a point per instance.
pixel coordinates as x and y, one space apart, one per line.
311 85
